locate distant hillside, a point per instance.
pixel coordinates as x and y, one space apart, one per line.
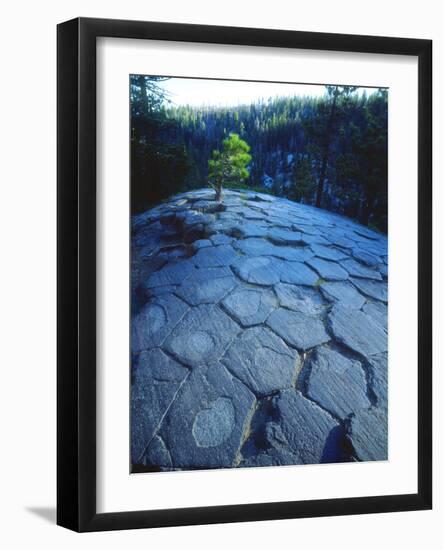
337 143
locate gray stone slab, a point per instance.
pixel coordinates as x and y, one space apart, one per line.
367 431
336 383
207 206
250 306
202 335
157 379
285 236
342 293
200 311
357 331
330 271
356 269
367 233
365 257
173 252
384 271
340 240
296 273
379 378
204 193
220 238
378 313
301 299
312 435
328 252
266 443
205 290
255 247
189 218
215 256
257 270
155 321
262 361
249 229
262 197
204 426
262 247
157 455
298 330
147 235
314 239
374 289
293 254
141 270
270 457
251 215
306 228
155 291
171 274
201 243
377 248
226 226
233 215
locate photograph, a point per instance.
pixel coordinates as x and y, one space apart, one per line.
259 268
234 319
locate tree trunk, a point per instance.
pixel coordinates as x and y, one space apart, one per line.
321 181
219 194
325 157
368 207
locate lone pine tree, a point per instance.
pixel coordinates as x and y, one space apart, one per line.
229 165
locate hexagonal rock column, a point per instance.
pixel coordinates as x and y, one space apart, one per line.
207 286
367 431
343 293
262 361
156 382
304 300
226 301
297 329
155 321
336 383
312 435
250 306
205 424
202 336
357 331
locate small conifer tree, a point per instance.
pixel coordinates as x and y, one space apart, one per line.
229 165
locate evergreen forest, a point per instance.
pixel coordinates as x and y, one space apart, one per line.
328 151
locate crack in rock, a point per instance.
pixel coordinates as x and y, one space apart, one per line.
258 335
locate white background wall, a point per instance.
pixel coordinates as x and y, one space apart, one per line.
27 292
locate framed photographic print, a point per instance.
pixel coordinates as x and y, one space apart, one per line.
244 274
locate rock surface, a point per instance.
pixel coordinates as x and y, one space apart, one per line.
337 384
262 361
258 335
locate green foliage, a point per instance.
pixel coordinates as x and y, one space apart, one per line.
324 127
331 148
303 183
366 161
228 166
159 166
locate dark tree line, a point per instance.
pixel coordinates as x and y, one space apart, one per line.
159 162
330 151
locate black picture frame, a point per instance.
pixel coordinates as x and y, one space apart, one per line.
77 248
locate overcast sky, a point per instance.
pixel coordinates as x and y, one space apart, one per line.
201 92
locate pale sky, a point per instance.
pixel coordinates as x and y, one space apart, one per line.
228 93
